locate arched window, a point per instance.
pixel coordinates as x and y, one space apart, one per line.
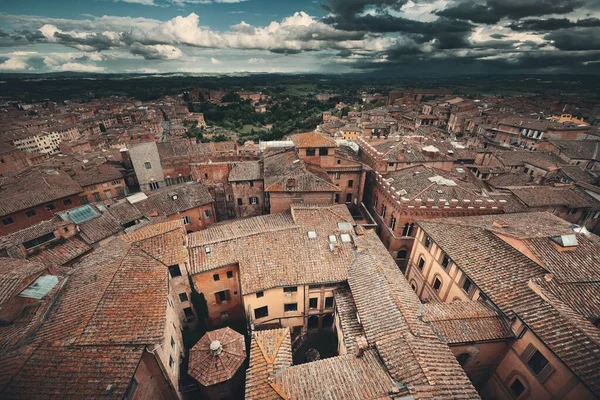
392 223
463 358
406 230
402 255
437 284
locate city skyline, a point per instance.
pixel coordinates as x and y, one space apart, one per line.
433 37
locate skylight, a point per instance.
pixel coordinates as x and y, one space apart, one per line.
312 234
332 239
344 226
80 214
40 287
346 238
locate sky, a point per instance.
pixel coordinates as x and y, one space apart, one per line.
401 37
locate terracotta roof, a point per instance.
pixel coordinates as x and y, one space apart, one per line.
312 139
124 212
509 179
407 152
346 311
466 321
579 149
517 158
35 187
169 247
62 252
245 171
546 196
209 368
344 377
270 352
101 372
13 272
409 348
161 203
283 166
277 257
582 297
97 174
99 228
577 174
570 336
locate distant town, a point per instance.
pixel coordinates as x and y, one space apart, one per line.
299 239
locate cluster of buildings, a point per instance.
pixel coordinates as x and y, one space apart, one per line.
435 260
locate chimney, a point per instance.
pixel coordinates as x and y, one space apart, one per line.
360 346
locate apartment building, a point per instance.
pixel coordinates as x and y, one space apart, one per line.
540 276
100 182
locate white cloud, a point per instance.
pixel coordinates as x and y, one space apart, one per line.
78 67
214 61
255 60
22 53
142 2
14 64
156 52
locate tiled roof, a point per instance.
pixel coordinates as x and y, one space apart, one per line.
32 232
422 182
277 257
582 297
124 212
546 196
282 165
517 158
470 247
153 230
466 321
578 174
13 272
579 149
407 152
245 171
35 187
97 174
73 372
99 228
169 247
570 336
270 352
509 179
115 320
312 139
161 203
341 378
62 252
209 369
346 310
411 351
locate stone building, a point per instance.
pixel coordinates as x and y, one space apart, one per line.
540 276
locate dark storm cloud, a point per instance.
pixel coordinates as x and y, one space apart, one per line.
493 11
3 34
575 39
385 22
552 24
97 41
349 8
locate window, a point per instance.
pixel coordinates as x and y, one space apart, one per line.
224 315
147 165
183 296
467 285
180 179
571 211
169 181
174 271
130 392
261 312
310 152
337 197
312 303
537 362
30 213
328 302
253 200
445 261
314 286
116 182
39 240
517 388
393 223
290 289
259 294
229 274
251 183
187 220
222 296
189 314
350 183
323 151
349 198
50 206
427 241
171 362
208 214
437 284
216 277
205 176
401 256
172 342
154 185
240 202
8 221
120 191
290 307
421 263
97 197
85 200
337 175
